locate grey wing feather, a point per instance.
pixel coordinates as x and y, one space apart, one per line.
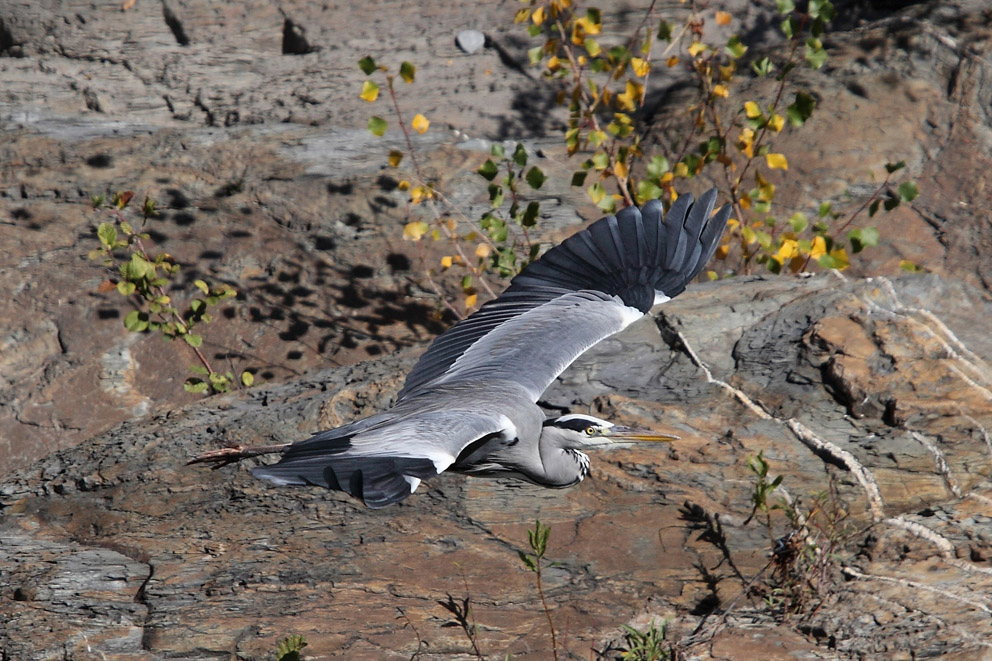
532 349
630 256
383 461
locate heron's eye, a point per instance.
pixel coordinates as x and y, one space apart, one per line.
590 431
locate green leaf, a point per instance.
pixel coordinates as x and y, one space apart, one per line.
823 9
202 286
908 191
535 177
528 561
367 65
197 306
657 166
862 238
873 208
529 219
125 288
289 648
136 321
497 150
488 170
198 369
533 30
193 340
798 222
815 55
107 234
801 109
407 72
735 48
647 190
377 125
495 195
578 178
894 167
520 155
785 6
823 210
195 385
665 30
247 379
535 54
763 67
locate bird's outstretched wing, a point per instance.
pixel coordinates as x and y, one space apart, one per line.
592 285
378 460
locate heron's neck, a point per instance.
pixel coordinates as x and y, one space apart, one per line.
563 467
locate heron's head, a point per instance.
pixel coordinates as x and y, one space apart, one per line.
577 431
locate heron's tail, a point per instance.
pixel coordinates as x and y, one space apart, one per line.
377 480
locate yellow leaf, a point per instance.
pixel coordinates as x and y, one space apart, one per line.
721 91
403 185
776 123
446 262
582 60
672 61
722 18
665 178
745 142
521 15
722 252
819 247
554 63
745 201
777 161
841 256
752 110
395 156
629 99
538 16
620 169
413 231
641 67
370 91
681 170
420 123
727 71
470 300
482 251
420 193
788 250
696 47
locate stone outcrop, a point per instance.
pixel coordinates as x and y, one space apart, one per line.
875 389
244 122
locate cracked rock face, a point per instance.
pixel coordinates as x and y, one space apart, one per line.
176 561
245 123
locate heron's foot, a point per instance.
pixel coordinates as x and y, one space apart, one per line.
223 456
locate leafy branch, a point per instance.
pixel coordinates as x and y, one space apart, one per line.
142 278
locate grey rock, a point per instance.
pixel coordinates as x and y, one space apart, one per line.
470 40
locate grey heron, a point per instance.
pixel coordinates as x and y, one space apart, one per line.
470 403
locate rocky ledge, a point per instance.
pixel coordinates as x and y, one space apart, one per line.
874 391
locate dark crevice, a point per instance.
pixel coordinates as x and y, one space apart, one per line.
175 25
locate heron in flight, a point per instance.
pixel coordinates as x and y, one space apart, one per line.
470 403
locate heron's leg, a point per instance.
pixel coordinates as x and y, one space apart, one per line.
224 456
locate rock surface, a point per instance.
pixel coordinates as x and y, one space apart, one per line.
246 126
245 123
880 388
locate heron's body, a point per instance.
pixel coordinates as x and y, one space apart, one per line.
469 404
